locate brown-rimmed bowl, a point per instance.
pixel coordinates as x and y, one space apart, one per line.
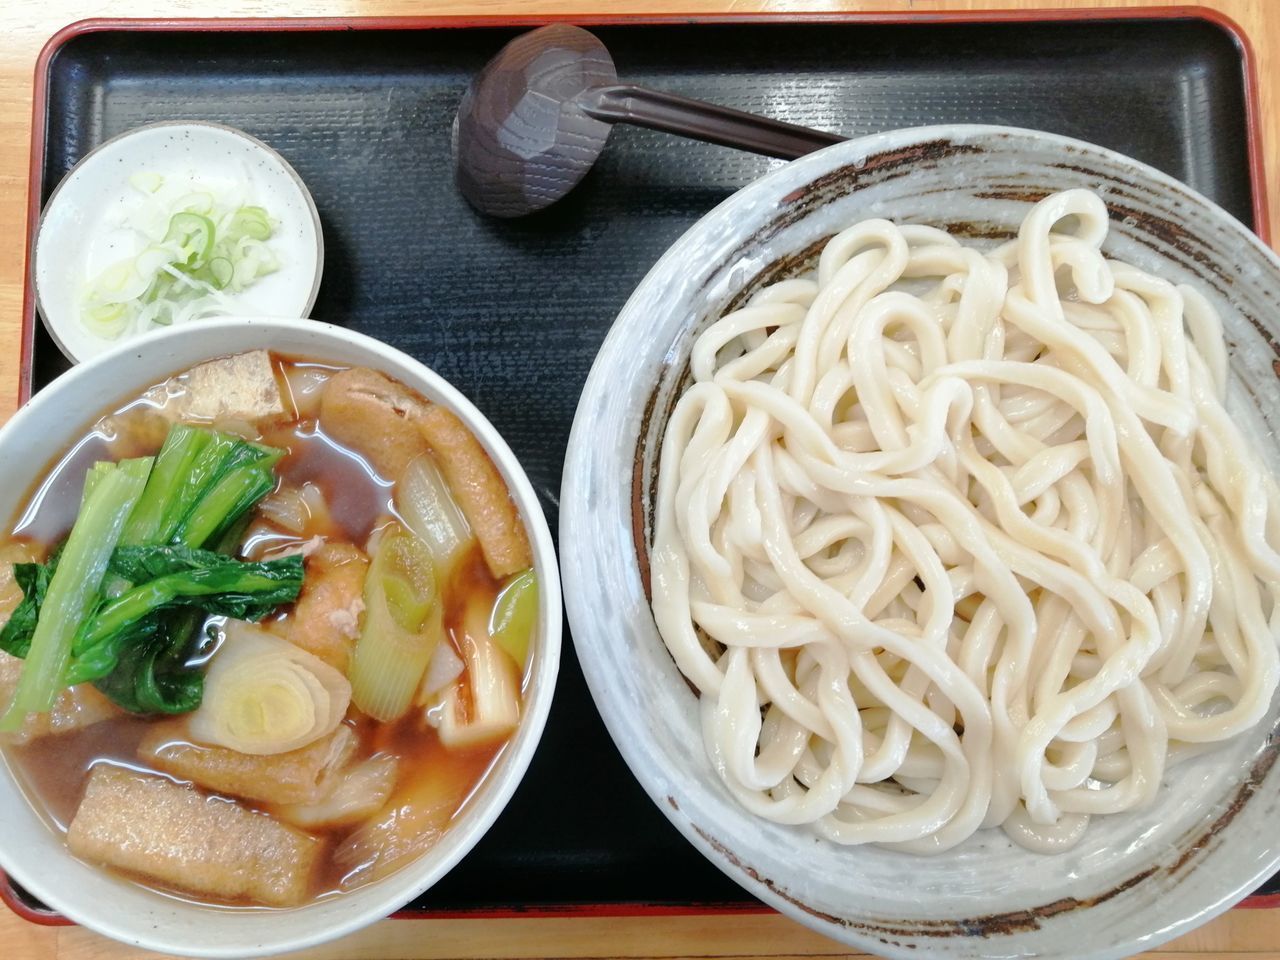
1136 879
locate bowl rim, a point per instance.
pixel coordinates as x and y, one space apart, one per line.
270 152
576 567
411 879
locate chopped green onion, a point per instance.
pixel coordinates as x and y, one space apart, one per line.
120 283
250 222
152 260
204 249
193 233
107 319
146 182
198 202
220 272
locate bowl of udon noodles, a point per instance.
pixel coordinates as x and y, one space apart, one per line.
919 539
279 631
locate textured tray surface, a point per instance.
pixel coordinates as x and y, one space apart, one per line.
513 312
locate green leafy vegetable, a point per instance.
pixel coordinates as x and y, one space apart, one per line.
73 588
157 514
204 483
93 476
168 577
151 675
147 584
33 581
228 587
177 576
246 477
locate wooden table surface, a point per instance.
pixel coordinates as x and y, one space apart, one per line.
26 25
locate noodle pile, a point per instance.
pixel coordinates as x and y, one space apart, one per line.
950 540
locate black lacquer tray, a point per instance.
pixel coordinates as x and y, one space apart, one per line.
512 312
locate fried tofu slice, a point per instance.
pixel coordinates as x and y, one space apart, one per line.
419 814
360 793
391 426
298 776
75 708
173 833
479 490
241 387
235 394
374 416
326 618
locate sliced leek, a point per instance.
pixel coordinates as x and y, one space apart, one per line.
263 695
428 509
445 667
514 615
403 623
483 705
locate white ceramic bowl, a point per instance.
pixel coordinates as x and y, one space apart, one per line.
35 855
79 232
1135 880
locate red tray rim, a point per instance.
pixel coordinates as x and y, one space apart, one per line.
1257 178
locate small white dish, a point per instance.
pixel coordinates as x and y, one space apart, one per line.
80 232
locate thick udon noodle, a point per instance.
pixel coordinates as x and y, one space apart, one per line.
950 539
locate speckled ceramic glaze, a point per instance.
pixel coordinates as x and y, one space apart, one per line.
36 856
1136 879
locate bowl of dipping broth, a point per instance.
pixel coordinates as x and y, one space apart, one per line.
283 628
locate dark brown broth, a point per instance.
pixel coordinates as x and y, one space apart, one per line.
357 500
57 776
422 757
53 506
357 497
